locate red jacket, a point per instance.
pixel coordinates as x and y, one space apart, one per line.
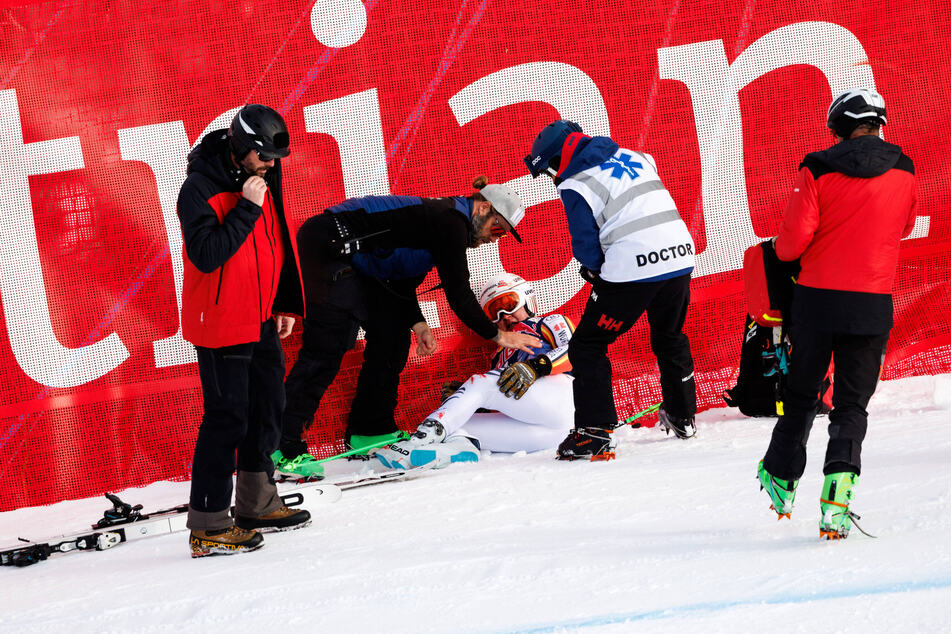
240 264
851 206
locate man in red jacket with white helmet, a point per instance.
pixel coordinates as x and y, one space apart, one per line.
851 206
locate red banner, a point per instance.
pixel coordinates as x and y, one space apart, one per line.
101 101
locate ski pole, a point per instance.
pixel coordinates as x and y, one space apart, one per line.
630 419
353 452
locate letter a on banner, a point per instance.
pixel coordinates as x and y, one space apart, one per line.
575 96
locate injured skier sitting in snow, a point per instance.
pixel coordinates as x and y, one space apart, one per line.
529 395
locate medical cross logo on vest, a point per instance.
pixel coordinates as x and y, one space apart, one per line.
668 253
622 164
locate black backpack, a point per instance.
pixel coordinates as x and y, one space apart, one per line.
764 355
764 359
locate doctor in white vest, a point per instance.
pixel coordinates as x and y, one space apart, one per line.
637 253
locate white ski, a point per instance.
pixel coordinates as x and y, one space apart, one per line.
124 523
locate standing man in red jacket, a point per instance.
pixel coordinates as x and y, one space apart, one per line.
851 206
241 273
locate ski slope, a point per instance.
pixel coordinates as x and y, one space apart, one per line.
673 536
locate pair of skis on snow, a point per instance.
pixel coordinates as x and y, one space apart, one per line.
125 522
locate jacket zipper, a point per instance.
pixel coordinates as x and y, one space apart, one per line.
271 242
221 274
257 266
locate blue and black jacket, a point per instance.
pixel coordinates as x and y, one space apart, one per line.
408 237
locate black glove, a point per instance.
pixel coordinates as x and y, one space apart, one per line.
589 276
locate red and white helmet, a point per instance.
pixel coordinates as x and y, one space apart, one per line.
505 293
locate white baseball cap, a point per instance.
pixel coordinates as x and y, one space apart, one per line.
505 201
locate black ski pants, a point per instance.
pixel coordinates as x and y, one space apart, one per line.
329 332
242 389
330 329
612 309
858 361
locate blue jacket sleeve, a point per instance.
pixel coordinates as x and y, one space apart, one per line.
585 243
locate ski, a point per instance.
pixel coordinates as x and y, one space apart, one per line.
367 476
125 523
350 454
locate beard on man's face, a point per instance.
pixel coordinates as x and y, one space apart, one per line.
477 236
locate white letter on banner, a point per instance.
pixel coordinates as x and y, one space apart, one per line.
22 290
576 97
355 124
164 148
714 87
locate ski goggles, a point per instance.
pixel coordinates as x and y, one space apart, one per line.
504 304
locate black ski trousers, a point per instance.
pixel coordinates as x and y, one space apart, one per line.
242 389
858 361
329 332
612 310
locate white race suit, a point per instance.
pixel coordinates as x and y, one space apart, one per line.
540 419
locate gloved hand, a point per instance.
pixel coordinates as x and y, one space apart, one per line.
447 389
589 276
518 377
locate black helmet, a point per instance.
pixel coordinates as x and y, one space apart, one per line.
853 108
548 144
261 129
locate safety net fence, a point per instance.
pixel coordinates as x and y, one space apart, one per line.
100 103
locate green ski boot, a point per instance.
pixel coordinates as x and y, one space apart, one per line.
781 492
363 444
837 494
302 467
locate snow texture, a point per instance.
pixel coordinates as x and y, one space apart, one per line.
673 536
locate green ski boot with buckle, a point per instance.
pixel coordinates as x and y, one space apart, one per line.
363 444
837 493
303 467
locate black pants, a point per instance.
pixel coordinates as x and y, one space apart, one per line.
329 331
611 311
858 361
242 390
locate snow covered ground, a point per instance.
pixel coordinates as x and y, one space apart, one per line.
673 536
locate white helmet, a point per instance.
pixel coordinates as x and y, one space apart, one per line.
505 293
854 107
